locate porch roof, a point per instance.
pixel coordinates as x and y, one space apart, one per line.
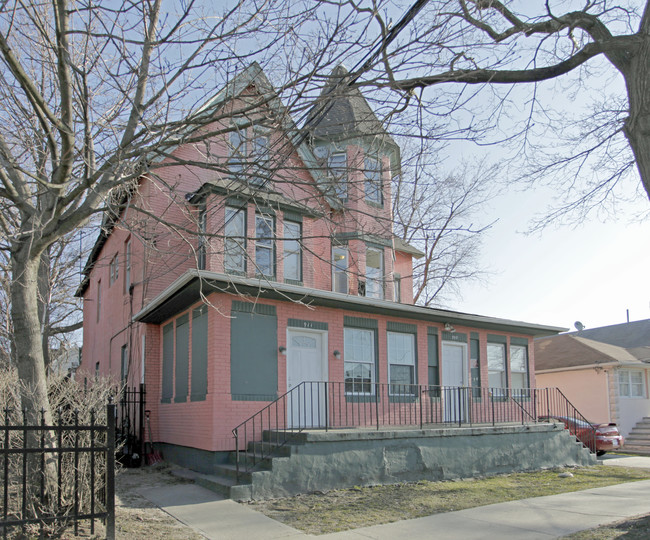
195 284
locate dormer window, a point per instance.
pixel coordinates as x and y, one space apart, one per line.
338 166
372 174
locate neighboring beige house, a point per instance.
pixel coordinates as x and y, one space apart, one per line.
604 372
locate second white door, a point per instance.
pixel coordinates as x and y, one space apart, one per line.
454 377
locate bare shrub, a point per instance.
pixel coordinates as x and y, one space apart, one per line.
79 473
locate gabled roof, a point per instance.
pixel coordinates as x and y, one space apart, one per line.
631 334
567 351
252 75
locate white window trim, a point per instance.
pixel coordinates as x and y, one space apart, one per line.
628 373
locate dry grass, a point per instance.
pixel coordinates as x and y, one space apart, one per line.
321 513
630 529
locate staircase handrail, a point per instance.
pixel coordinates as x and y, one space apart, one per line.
265 453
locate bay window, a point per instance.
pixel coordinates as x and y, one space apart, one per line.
340 269
292 251
235 240
374 273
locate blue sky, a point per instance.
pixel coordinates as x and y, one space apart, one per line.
592 272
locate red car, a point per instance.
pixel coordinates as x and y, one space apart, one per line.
600 438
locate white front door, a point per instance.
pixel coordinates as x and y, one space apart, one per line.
454 377
306 363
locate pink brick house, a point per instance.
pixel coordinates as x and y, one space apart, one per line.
256 258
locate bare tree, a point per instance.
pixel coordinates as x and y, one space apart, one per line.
482 51
59 311
439 213
91 96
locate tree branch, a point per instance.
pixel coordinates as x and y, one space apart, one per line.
479 76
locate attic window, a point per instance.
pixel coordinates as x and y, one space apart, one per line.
260 160
338 166
249 159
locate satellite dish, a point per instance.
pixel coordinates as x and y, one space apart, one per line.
579 326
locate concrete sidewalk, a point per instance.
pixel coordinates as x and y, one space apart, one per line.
538 518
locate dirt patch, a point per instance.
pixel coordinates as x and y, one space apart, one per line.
321 513
135 516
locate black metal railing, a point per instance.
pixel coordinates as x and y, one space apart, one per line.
335 405
130 434
54 476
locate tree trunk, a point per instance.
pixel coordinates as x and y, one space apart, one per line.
29 358
637 125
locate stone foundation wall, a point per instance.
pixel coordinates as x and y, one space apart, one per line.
339 459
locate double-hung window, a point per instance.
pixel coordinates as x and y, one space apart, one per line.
397 288
401 363
518 367
340 269
496 359
292 251
359 368
237 151
338 165
374 273
260 159
264 245
372 173
631 383
114 269
235 240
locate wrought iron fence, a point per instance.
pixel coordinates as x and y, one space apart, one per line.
130 426
335 405
55 476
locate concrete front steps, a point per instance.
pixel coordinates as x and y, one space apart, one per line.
319 460
638 440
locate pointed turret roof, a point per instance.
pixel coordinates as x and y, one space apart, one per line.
342 112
